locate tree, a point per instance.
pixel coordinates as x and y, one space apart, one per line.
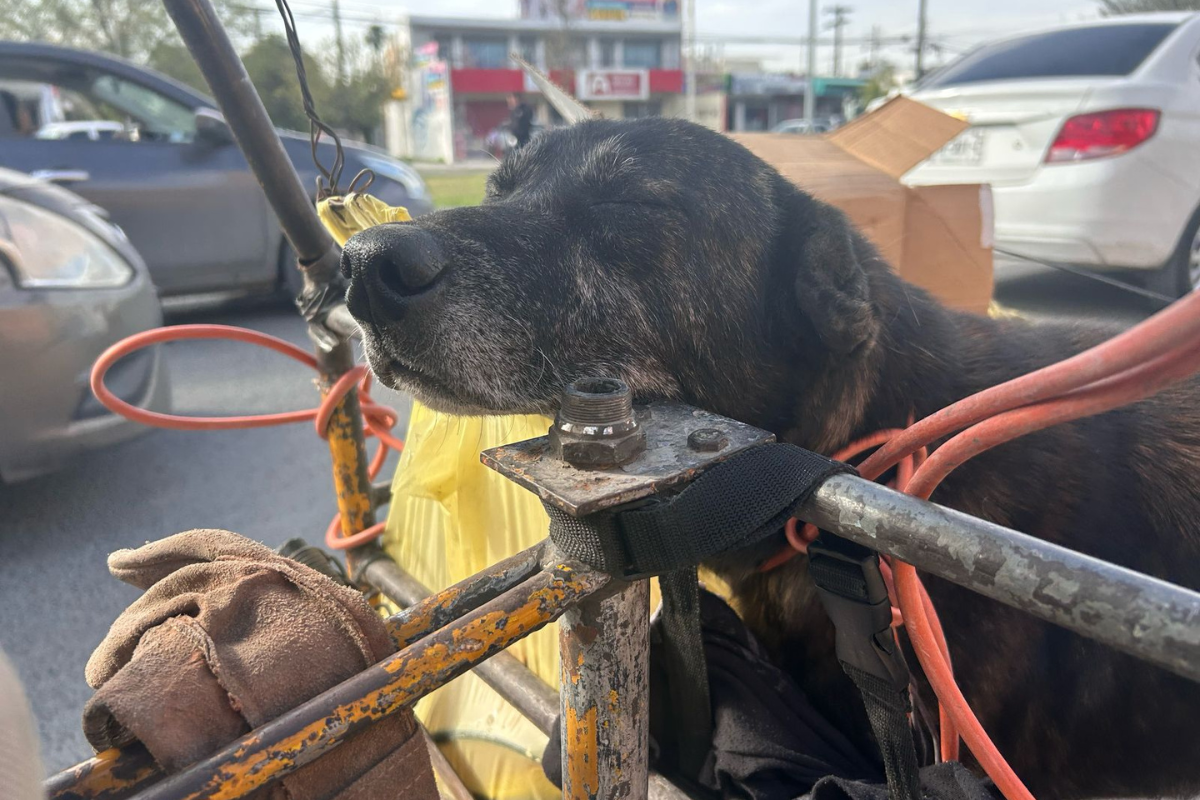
880 80
273 72
1110 8
132 29
354 101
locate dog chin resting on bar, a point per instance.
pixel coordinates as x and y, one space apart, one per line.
667 255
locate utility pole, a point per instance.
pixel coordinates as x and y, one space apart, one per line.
920 38
810 101
689 44
258 12
841 17
340 44
876 43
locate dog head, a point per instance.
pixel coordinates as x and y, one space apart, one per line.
653 250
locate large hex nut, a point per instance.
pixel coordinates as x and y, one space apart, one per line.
596 427
597 452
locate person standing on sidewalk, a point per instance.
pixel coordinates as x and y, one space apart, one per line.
520 119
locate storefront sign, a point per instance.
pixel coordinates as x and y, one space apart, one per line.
612 84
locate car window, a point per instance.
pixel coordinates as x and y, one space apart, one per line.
158 118
1075 52
140 114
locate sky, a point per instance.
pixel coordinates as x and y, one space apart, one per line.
954 25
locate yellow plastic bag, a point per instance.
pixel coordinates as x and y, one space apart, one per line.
347 215
449 518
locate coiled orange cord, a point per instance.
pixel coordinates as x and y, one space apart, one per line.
1129 367
378 420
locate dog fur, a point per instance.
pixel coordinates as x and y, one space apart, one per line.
669 256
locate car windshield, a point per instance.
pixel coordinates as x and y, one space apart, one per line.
1100 50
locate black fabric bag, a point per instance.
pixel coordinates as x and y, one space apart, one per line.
769 742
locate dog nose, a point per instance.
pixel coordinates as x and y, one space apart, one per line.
393 262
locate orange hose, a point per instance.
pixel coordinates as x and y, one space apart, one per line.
1144 360
378 420
1130 366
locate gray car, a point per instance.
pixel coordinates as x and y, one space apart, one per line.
172 178
70 286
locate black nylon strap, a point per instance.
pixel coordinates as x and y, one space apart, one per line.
851 588
735 503
687 675
887 709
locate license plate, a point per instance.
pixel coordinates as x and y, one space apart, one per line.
964 149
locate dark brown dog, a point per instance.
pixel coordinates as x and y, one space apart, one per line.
667 255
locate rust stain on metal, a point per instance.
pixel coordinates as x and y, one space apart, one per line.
440 609
583 737
354 503
111 774
308 732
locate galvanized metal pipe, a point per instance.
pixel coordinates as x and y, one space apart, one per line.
316 727
605 690
1143 616
214 54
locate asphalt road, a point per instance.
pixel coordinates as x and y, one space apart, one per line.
56 597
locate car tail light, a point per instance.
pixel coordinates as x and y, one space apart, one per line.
1106 133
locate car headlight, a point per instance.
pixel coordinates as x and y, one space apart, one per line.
399 172
47 251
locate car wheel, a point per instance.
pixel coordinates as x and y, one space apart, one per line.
1181 274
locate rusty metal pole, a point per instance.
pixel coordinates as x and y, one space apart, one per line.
210 46
348 450
605 691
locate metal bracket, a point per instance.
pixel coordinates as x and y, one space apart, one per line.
681 442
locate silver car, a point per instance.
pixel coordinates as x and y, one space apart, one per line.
70 286
169 173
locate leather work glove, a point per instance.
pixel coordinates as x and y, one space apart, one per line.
228 636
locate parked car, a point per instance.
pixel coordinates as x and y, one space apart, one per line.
1089 135
71 285
803 126
174 181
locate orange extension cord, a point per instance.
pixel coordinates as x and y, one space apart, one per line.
378 420
1129 367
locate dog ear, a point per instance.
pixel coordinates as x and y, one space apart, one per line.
831 282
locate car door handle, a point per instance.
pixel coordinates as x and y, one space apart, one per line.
60 175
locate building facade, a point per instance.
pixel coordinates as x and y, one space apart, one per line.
622 57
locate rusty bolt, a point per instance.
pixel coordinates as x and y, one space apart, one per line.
707 440
596 427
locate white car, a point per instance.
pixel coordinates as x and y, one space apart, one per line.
1089 135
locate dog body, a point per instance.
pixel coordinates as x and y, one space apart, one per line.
667 255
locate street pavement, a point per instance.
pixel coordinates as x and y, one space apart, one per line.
56 597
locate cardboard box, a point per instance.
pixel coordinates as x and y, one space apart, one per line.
937 237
